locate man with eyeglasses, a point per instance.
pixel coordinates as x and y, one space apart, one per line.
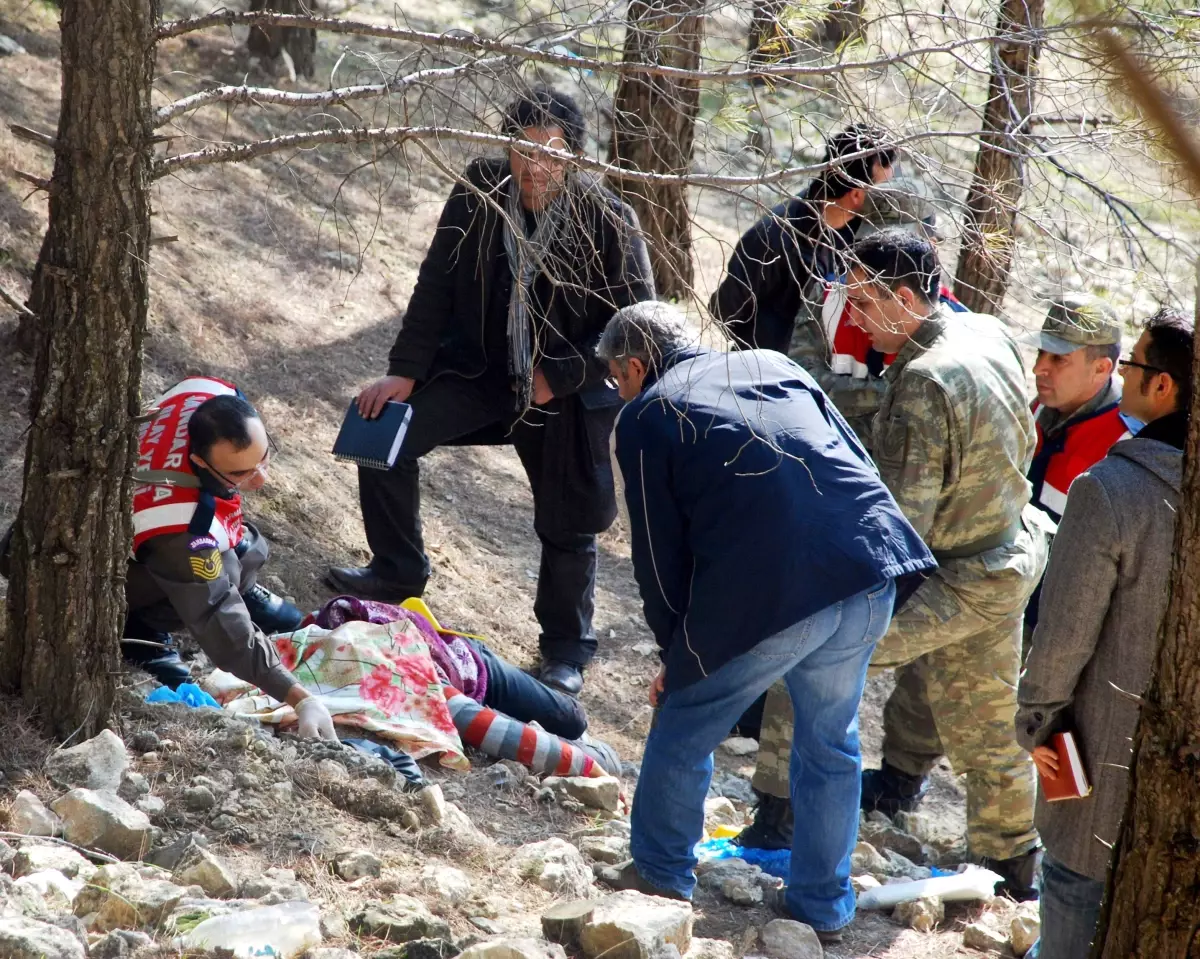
1103 602
195 561
530 259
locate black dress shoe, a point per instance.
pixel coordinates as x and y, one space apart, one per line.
271 613
626 876
561 676
365 583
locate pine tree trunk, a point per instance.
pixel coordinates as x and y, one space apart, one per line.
995 194
654 125
1152 908
72 536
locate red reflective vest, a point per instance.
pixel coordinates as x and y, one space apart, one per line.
162 507
1071 451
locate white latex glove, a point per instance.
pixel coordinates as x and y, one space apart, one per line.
314 719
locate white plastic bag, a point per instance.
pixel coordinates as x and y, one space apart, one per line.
280 931
974 882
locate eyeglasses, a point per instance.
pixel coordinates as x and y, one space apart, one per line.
1140 366
240 478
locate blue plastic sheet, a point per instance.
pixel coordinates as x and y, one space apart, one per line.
188 693
776 862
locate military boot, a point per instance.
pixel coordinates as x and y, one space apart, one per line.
772 826
889 791
1020 874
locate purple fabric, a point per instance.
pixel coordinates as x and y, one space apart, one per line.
458 662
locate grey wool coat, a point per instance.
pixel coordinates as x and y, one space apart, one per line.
1103 599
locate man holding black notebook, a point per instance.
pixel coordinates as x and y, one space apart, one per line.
529 261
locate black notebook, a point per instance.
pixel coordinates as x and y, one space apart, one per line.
375 443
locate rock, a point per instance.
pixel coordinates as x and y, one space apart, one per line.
133 786
402 919
449 885
788 939
884 837
145 741
128 895
30 818
861 884
1024 928
38 857
484 924
556 866
331 769
714 873
564 921
251 782
199 798
735 788
53 888
199 867
352 864
281 792
419 949
95 764
170 856
10 48
922 915
456 829
102 820
326 952
596 792
151 805
433 804
903 868
334 925
629 925
741 891
118 944
719 811
279 885
22 938
710 949
740 746
979 935
605 849
514 949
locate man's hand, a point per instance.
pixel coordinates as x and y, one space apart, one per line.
1046 760
372 399
542 394
315 721
656 687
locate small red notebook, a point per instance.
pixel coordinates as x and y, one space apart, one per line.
1072 781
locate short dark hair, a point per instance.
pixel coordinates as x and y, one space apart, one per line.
1170 350
221 418
1104 351
898 257
838 180
546 107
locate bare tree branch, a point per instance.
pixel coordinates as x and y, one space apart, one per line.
469 42
21 308
33 136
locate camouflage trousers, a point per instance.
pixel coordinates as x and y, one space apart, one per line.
956 649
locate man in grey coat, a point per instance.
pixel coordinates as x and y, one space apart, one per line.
1103 600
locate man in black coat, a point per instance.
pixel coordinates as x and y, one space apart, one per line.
529 261
785 258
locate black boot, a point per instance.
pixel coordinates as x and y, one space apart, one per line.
271 613
772 826
1020 874
889 791
153 651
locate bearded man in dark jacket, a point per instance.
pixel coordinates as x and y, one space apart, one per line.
529 261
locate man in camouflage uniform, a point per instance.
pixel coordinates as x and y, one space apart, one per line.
850 373
953 441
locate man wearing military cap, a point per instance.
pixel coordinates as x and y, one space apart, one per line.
1078 400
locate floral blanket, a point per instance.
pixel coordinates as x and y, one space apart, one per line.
378 677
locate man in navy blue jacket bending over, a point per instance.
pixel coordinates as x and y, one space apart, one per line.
764 546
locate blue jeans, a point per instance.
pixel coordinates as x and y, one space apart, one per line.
515 693
1070 908
824 660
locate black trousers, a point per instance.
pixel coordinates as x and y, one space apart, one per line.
454 411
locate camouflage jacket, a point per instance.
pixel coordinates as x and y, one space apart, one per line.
955 435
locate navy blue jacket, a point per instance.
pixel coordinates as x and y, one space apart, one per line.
751 505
